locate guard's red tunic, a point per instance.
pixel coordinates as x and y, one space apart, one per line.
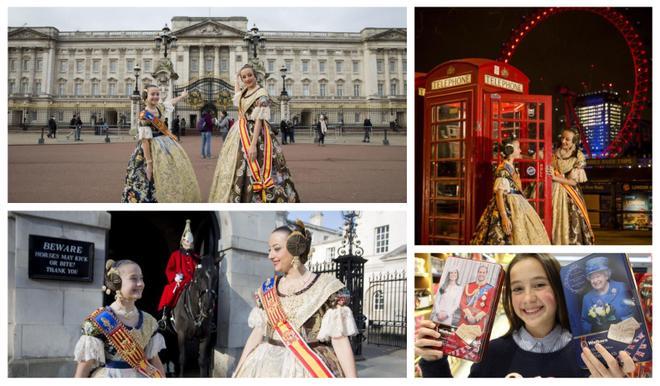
180 262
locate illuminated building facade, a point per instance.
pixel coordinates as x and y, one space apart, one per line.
600 115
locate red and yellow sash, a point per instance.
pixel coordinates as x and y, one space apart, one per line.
119 337
577 199
289 336
157 123
260 175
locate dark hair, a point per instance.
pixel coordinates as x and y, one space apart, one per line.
551 267
112 278
144 90
443 288
299 240
506 147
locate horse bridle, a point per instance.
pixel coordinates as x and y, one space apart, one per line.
202 313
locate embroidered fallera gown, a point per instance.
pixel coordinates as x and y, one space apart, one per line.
174 179
318 312
569 224
234 180
527 227
94 345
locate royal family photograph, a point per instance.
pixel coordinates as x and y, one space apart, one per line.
207 294
530 131
207 105
559 315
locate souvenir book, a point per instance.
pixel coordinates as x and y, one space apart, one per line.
465 304
604 306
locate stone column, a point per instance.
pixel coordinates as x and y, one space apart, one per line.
50 66
216 62
200 67
34 72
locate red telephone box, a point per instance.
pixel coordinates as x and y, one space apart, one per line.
470 105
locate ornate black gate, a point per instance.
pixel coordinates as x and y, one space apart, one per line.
385 305
206 94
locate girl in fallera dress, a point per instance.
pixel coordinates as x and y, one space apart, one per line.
570 220
538 343
251 166
159 170
311 307
99 351
509 218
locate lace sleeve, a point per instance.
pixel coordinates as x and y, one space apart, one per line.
155 345
89 348
261 109
257 319
144 132
237 99
338 320
502 184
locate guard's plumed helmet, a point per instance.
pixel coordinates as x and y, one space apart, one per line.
187 240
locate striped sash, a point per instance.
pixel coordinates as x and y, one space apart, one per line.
157 123
289 336
119 337
259 175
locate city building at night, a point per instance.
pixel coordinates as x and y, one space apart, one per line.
600 115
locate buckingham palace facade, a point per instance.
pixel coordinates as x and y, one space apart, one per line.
349 76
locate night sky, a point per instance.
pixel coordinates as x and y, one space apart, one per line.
576 49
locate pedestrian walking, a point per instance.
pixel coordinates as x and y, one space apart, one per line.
323 129
224 124
367 130
78 128
52 127
283 131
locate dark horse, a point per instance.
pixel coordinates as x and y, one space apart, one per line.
194 314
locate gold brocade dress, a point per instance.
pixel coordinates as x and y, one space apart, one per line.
569 225
318 312
527 227
93 345
174 178
232 181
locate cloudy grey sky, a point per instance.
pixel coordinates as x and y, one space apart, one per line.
267 19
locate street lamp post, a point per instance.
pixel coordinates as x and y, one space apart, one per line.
166 39
136 71
283 71
254 40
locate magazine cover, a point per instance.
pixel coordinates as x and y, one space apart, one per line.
465 305
604 306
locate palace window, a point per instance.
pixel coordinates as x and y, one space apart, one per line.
113 66
130 64
26 64
382 239
39 64
61 87
194 65
25 86
381 89
12 86
63 65
306 89
129 87
37 87
271 65
12 65
394 87
80 66
96 66
224 66
380 66
288 65
392 65
112 88
305 66
330 253
404 66
322 89
322 66
339 66
356 66
340 89
96 88
147 65
271 88
356 89
208 64
78 89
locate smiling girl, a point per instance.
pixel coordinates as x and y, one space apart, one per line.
119 340
159 170
570 220
299 311
538 343
251 166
